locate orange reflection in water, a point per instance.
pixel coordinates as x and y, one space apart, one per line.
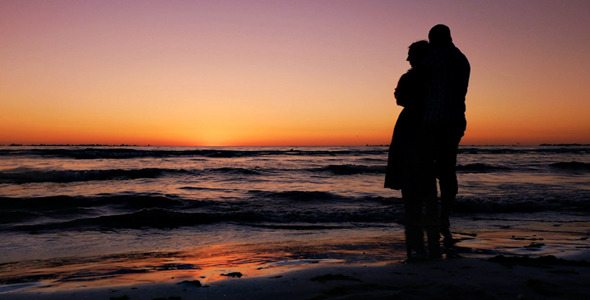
207 263
214 262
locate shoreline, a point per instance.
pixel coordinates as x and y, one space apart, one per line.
266 270
462 278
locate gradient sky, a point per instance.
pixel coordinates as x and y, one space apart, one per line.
281 72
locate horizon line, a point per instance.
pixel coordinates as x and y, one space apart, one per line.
366 145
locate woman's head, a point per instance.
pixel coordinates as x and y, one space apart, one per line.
417 52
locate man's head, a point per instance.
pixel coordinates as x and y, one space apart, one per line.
440 35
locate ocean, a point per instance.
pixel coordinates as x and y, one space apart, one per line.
144 210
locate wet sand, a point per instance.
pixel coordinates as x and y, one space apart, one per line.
500 260
463 278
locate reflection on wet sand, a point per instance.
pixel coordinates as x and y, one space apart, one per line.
534 239
215 262
204 263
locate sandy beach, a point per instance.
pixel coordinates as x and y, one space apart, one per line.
536 264
463 278
543 260
538 260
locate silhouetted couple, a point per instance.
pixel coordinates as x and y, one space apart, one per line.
425 141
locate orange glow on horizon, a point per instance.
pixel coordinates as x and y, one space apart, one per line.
212 73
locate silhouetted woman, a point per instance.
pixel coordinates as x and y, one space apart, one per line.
410 167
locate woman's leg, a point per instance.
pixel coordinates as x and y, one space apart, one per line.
413 227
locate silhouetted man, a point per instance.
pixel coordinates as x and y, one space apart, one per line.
444 113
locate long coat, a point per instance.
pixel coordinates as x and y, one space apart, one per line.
405 143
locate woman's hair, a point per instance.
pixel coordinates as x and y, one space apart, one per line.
419 49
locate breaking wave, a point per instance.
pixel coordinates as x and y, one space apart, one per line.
480 168
571 166
29 176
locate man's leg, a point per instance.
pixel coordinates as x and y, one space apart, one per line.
447 144
446 165
432 222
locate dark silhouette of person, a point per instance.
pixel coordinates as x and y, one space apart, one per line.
410 94
410 167
426 139
444 115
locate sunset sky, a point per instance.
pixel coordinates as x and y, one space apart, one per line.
207 73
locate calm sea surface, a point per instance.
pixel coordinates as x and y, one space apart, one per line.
88 201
